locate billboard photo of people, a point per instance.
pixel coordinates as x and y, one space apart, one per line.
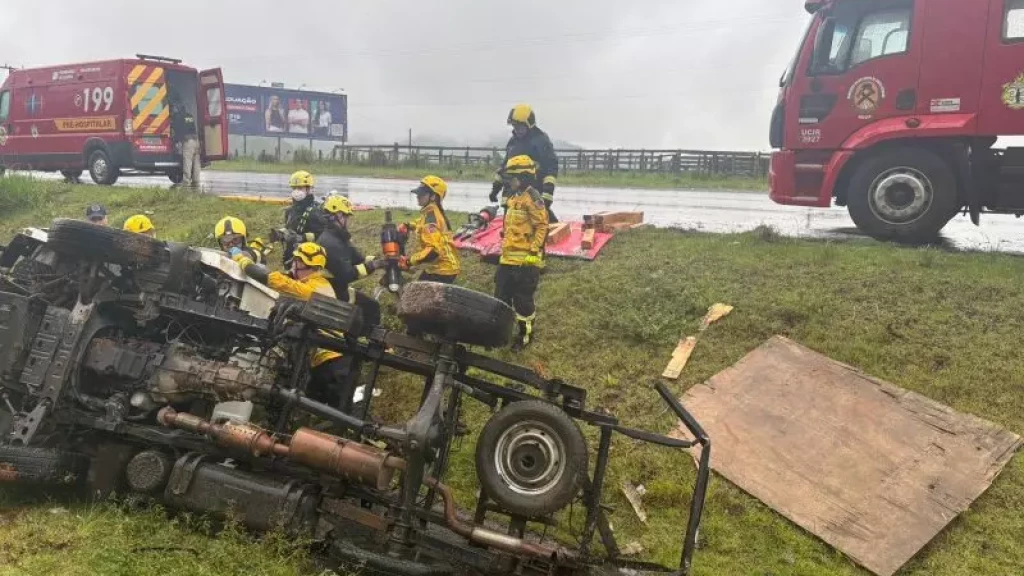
275 116
263 111
298 116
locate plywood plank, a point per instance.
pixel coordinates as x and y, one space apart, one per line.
874 470
680 357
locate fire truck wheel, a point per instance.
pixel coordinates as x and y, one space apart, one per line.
903 194
102 170
531 458
456 314
104 244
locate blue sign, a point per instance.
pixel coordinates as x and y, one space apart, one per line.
260 111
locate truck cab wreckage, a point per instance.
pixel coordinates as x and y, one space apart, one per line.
129 364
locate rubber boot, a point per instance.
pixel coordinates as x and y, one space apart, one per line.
524 332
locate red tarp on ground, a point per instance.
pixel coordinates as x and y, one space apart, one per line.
488 242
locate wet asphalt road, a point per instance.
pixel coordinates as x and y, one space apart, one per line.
709 211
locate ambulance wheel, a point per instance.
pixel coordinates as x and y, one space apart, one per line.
103 244
176 176
903 194
456 314
531 458
102 169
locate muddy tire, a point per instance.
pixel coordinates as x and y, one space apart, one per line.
531 458
103 244
456 314
903 194
41 465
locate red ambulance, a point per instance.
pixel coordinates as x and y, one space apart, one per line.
109 118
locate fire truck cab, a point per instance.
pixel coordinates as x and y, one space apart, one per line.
110 118
892 108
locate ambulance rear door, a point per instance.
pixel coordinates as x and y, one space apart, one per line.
213 114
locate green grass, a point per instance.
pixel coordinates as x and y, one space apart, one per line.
945 324
484 174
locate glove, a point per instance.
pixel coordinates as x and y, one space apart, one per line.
495 190
403 263
242 259
234 252
369 259
532 260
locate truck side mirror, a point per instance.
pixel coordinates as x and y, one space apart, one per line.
823 45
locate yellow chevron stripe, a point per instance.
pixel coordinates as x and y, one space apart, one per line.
135 73
142 89
148 111
158 122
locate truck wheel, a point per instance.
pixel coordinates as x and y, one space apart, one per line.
176 176
531 458
456 314
102 170
102 243
904 194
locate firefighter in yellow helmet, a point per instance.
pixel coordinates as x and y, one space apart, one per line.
231 236
331 380
303 220
345 262
529 140
140 224
437 254
522 246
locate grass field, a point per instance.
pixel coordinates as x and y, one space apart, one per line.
945 324
483 174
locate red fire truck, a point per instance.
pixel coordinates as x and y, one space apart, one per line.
109 118
893 107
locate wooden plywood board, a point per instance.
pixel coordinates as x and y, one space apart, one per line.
558 232
611 222
680 357
872 469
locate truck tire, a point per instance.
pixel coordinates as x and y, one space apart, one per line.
531 458
903 194
72 176
102 169
176 176
456 314
104 244
24 465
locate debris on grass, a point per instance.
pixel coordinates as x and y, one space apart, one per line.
715 313
684 349
634 494
634 548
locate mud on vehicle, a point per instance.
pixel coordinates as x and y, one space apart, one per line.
133 365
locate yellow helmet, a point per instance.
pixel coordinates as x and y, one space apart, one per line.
229 225
522 114
140 224
338 205
301 179
311 254
521 164
435 185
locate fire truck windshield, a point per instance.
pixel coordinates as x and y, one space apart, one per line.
855 33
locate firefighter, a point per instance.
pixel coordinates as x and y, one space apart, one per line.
524 232
231 233
140 224
437 253
330 377
527 139
345 262
303 220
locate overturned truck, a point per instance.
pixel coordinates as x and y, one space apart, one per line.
133 365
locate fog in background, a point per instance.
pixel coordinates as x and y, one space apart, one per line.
600 73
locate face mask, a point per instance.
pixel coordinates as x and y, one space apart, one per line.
298 194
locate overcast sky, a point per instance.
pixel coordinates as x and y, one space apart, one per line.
641 73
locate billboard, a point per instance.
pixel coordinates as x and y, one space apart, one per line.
267 111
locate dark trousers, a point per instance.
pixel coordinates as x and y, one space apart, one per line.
425 277
332 384
515 286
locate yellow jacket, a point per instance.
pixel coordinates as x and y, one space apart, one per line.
436 247
525 228
316 283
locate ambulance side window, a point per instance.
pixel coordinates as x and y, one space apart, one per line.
1013 23
5 106
214 102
